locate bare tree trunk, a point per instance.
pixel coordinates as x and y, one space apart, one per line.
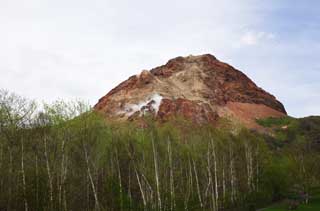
87 192
141 189
49 173
65 207
232 180
215 175
156 174
210 183
37 182
257 169
119 178
23 177
2 170
223 182
10 179
249 165
150 196
95 194
62 170
251 170
198 185
129 187
189 185
95 173
172 193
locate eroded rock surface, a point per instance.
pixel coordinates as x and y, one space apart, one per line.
199 88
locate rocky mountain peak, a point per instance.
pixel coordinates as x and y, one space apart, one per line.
199 88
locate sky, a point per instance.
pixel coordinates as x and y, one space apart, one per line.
80 49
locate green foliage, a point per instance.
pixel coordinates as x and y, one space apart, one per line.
313 205
272 121
67 157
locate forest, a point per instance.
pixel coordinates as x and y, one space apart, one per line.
64 156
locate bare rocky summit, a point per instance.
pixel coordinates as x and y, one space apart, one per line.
199 88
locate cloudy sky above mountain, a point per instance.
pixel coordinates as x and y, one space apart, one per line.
51 49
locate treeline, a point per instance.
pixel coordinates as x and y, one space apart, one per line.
63 156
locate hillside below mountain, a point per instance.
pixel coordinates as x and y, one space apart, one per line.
201 89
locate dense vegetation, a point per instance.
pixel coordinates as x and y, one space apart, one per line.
63 156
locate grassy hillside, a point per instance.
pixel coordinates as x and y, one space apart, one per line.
288 130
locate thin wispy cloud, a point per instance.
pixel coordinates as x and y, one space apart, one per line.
82 49
255 38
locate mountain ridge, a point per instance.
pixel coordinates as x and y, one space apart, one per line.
199 88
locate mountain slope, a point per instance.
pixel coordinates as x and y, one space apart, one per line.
199 88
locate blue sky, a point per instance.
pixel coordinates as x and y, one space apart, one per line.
81 49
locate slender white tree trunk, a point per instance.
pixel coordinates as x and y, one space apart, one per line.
1 157
215 175
141 189
224 181
197 183
249 165
172 193
119 178
23 177
129 187
257 169
65 207
37 182
189 185
10 179
62 171
156 174
95 194
49 173
232 173
88 192
149 193
210 182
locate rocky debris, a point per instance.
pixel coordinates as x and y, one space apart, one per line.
197 112
199 88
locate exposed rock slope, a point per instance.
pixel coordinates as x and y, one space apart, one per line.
199 88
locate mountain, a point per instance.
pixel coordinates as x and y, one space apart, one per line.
201 89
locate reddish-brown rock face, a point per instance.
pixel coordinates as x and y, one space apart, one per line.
195 111
198 88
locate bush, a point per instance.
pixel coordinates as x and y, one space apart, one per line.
271 121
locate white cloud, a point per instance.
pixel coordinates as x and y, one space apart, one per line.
82 49
255 37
